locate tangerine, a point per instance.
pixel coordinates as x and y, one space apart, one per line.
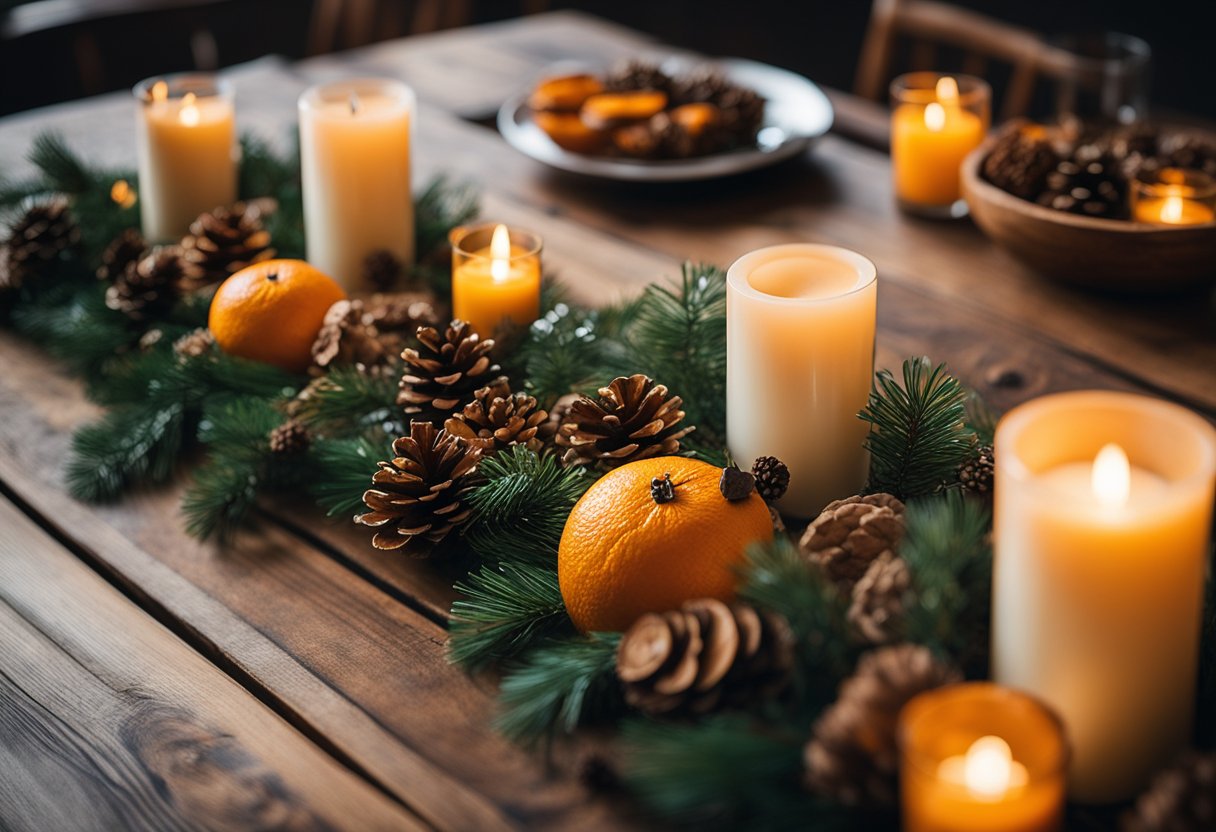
632 545
272 311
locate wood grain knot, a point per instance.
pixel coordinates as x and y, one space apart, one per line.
1005 378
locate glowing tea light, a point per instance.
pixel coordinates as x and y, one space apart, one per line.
935 117
988 769
1174 196
1103 511
495 277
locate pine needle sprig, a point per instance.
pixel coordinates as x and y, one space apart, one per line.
440 207
506 610
132 444
342 471
349 401
568 350
82 332
918 434
62 170
981 419
559 686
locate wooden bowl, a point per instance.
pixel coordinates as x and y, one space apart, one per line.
1114 255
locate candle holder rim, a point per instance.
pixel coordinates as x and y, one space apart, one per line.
1200 185
1014 422
312 97
221 87
462 232
971 88
867 271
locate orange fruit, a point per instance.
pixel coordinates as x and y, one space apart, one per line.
272 311
622 554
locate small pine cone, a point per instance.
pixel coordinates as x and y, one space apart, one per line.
149 287
291 437
706 656
1180 799
382 269
344 339
850 534
852 756
638 75
632 419
125 249
442 373
772 477
417 497
1020 161
1091 184
876 611
224 241
399 311
976 475
194 344
497 419
39 236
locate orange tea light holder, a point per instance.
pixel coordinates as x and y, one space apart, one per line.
1174 196
495 277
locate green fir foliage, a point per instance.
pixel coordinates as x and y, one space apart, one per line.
134 444
352 402
342 470
506 609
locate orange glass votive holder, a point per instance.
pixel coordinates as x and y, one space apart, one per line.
495 277
936 121
978 757
1174 196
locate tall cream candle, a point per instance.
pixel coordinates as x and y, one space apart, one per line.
800 361
1103 508
187 151
355 162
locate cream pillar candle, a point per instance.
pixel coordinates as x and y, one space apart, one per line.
1103 508
355 163
800 361
187 151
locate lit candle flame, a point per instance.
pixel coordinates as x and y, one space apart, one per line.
1112 476
500 253
935 117
189 112
1171 209
987 770
160 91
947 90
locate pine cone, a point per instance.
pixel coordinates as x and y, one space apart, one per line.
149 287
1020 161
850 534
497 419
123 250
224 241
346 340
442 373
852 756
194 344
976 475
876 611
1180 799
706 656
291 437
772 477
382 269
40 235
399 311
638 75
418 496
1091 184
632 419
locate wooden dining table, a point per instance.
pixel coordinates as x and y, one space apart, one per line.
296 678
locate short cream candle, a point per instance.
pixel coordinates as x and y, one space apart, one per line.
355 165
495 278
800 325
1103 513
188 151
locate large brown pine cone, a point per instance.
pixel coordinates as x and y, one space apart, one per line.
39 236
849 534
1020 161
225 240
444 371
149 287
632 419
705 656
852 756
1090 183
123 250
497 419
346 340
1180 799
638 75
877 608
417 497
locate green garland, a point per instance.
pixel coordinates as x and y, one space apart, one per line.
742 768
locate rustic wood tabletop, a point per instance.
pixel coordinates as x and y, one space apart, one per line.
296 678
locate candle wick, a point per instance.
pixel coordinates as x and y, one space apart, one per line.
354 103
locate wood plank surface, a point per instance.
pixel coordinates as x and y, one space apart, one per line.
108 721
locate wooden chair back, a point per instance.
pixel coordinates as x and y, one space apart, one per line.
345 24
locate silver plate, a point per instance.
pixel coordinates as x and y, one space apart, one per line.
796 112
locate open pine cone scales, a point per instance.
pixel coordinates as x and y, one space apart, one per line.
850 534
148 287
444 371
417 497
497 419
632 419
224 241
702 657
37 238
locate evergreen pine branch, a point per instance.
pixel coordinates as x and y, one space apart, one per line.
349 401
135 443
220 497
559 686
918 434
981 420
266 173
571 349
506 610
82 332
342 470
521 509
946 546
61 168
440 207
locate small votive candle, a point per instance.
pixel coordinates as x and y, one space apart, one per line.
188 151
355 168
937 121
800 323
977 757
495 277
1174 196
1103 516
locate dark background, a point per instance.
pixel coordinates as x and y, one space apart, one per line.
818 38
